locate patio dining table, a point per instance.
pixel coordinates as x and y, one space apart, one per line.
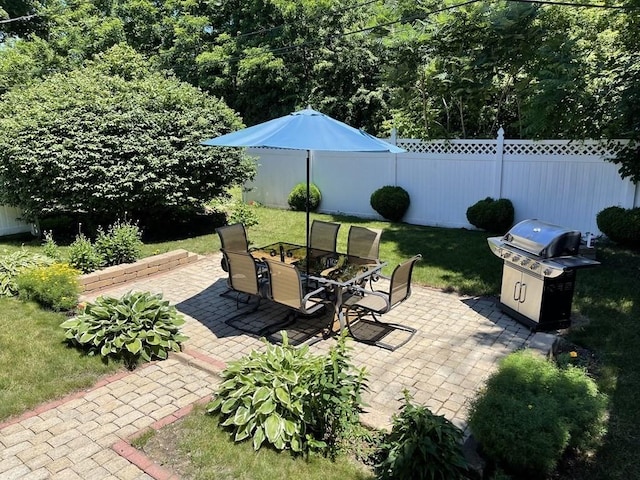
337 272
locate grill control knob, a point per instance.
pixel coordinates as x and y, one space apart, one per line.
547 271
515 258
525 261
534 266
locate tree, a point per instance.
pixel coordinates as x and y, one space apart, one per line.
110 138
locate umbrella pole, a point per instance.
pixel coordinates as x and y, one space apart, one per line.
307 209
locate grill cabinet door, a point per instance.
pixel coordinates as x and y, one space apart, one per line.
530 300
511 283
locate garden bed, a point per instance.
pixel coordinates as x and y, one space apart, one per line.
126 272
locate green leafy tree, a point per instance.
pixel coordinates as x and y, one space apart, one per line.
92 142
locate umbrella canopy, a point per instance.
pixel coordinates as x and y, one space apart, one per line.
305 130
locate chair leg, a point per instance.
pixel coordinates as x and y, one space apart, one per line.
388 326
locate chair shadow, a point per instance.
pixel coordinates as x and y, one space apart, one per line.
221 315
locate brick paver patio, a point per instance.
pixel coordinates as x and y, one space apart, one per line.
458 344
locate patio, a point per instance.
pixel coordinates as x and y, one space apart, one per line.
458 343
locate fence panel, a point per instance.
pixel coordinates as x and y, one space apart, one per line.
10 223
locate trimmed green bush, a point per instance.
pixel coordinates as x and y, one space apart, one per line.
491 215
531 410
621 225
421 445
12 264
52 286
139 325
297 198
289 399
390 202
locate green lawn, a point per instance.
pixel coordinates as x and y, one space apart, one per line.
35 363
460 260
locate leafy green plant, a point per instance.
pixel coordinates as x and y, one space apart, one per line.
531 411
83 255
491 215
621 225
288 398
139 325
52 286
298 197
240 212
50 247
121 243
421 445
391 202
14 263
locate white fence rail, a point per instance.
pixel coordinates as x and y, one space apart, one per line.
10 223
563 182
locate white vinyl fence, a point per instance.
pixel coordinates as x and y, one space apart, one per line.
10 223
558 181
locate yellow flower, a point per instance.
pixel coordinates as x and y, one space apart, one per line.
573 354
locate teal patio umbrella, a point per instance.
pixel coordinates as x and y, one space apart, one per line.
307 130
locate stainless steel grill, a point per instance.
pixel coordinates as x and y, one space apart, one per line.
538 278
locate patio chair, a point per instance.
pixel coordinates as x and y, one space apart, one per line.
373 303
364 242
286 288
324 235
244 280
233 238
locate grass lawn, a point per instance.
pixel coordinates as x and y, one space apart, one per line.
197 448
35 364
460 260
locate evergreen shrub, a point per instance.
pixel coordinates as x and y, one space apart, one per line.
297 197
390 202
621 225
491 215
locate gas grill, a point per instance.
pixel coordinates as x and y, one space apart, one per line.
539 272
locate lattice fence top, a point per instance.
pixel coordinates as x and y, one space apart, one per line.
599 149
511 147
460 147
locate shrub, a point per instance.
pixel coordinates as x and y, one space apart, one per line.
121 243
52 286
390 202
138 325
421 445
83 255
50 248
491 215
298 196
290 399
240 212
12 264
531 411
110 144
620 225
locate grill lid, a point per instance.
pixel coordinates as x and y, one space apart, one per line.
545 240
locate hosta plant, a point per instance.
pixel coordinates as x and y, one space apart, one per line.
139 325
14 263
289 399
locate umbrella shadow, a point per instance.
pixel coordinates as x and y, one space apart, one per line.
226 314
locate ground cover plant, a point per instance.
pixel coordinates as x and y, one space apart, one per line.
137 326
53 286
289 399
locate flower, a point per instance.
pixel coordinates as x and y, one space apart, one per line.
573 354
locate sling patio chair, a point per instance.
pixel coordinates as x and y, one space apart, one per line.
244 280
233 238
364 242
286 288
324 235
373 303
